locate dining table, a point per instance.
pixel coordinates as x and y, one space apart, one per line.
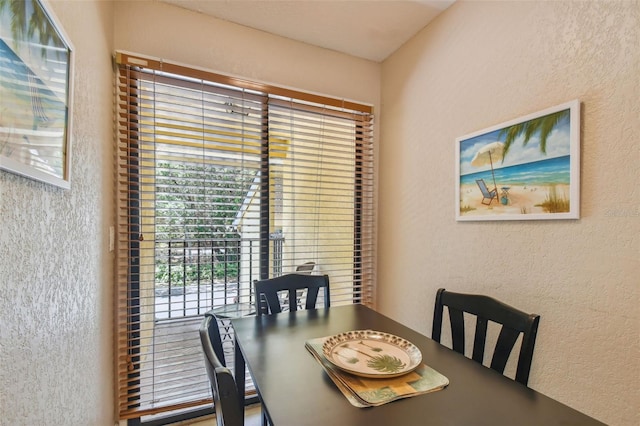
296 390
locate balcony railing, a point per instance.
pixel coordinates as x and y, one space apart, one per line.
194 276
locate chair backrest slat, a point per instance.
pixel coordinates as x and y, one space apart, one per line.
312 297
513 321
479 340
456 316
504 346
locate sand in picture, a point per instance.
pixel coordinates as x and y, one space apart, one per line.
521 199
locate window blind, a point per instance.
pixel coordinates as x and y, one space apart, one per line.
220 182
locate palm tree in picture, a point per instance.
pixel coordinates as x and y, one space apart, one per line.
30 17
542 125
18 13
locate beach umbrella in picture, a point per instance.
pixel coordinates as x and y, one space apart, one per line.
486 155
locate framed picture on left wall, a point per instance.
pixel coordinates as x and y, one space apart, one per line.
36 90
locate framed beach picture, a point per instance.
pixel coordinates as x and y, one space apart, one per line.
524 169
35 92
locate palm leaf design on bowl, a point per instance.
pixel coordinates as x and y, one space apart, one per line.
386 364
370 353
373 348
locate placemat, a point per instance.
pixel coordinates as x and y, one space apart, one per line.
363 392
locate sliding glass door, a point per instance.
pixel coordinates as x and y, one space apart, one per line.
220 185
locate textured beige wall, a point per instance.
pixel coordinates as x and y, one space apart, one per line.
480 64
55 268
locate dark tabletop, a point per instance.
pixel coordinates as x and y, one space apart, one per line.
296 391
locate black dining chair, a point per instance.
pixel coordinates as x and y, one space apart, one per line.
268 292
513 321
223 385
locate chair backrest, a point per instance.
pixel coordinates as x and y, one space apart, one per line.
268 300
483 188
215 337
485 309
223 385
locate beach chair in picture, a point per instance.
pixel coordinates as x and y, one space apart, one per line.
486 194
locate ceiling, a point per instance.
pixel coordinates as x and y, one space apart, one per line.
369 29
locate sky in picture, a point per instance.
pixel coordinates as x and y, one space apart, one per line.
558 145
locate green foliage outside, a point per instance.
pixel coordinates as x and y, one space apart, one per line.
192 274
196 205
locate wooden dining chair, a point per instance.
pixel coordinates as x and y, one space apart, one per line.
268 292
513 321
226 402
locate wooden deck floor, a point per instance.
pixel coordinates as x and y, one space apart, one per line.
176 373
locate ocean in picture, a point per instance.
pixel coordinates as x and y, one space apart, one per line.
554 171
